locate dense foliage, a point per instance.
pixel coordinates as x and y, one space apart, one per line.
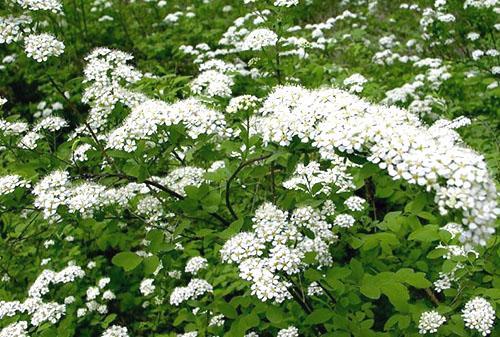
249 168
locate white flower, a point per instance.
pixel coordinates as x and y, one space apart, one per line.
103 282
147 287
454 229
212 83
286 3
355 203
9 183
355 82
240 247
176 274
81 312
473 36
344 221
430 321
12 29
41 285
188 334
477 54
80 153
478 314
289 332
48 243
54 6
195 264
51 312
314 289
313 179
16 329
145 119
195 289
252 334
480 3
278 245
41 46
108 295
217 320
115 331
395 140
259 39
242 103
92 293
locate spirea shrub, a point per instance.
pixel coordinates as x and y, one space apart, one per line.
249 168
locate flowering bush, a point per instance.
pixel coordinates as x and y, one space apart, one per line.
249 168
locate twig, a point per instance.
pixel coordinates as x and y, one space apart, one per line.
233 176
433 297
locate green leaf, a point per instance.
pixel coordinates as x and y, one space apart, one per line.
310 257
437 253
417 204
312 274
275 314
319 316
127 260
232 230
227 309
397 293
156 239
110 318
150 264
427 233
370 287
412 278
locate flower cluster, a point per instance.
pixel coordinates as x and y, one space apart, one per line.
289 332
38 131
195 264
16 329
93 303
34 305
147 287
13 29
10 182
392 138
314 180
115 331
259 39
478 314
42 46
430 321
151 117
242 103
355 82
355 203
80 153
54 6
108 75
84 198
195 289
181 177
13 128
276 246
212 83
